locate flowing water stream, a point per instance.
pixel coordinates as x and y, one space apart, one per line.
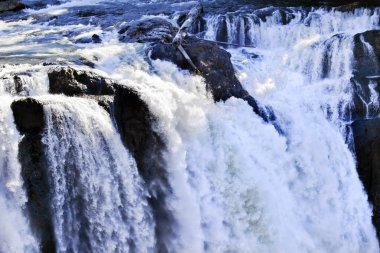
237 184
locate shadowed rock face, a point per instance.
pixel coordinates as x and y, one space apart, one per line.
367 62
366 72
29 119
363 107
367 148
213 62
214 65
366 127
28 114
137 129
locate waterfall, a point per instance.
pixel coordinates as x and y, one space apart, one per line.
15 234
24 80
250 189
235 182
98 204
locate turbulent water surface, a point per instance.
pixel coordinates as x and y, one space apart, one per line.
237 183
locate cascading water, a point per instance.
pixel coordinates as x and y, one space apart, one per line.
237 183
15 234
98 200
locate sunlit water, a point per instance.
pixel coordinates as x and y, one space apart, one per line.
237 184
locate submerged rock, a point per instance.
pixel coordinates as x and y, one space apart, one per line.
93 39
11 5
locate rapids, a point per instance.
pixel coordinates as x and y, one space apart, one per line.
237 183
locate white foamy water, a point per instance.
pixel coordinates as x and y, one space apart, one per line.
24 80
237 184
98 204
15 233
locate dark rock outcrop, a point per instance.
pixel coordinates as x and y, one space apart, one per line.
367 148
366 125
362 104
148 30
211 62
11 5
29 118
137 127
366 73
214 65
28 114
104 101
367 60
72 82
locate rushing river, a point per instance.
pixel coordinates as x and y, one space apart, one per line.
236 182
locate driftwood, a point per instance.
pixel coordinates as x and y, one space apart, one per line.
191 17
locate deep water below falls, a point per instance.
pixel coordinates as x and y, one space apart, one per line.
110 141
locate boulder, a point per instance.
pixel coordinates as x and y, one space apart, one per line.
214 65
28 115
70 82
367 148
147 30
11 5
212 62
93 39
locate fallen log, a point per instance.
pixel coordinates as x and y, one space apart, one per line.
191 17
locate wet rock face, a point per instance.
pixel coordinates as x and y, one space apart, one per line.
367 59
29 119
364 90
213 62
137 129
367 147
365 81
149 30
28 114
214 65
11 5
70 82
365 113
